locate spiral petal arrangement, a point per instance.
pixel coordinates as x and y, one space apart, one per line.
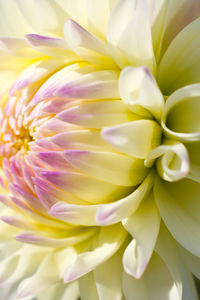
99 146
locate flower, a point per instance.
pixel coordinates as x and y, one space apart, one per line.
99 132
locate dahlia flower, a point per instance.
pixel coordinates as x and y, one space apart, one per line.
99 145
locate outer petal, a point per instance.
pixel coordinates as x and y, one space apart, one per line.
87 286
144 226
109 241
155 284
10 17
45 17
192 262
179 207
98 15
180 63
108 277
138 49
166 248
49 272
194 150
178 15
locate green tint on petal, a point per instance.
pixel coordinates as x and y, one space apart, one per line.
180 118
194 151
181 62
179 207
191 261
189 286
87 287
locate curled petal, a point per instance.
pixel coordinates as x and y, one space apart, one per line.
173 161
180 118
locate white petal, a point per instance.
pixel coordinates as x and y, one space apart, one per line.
50 271
45 17
51 46
180 63
10 15
166 248
178 204
76 10
138 89
191 261
108 277
86 45
178 15
138 49
172 160
98 15
109 240
120 15
87 286
17 47
145 232
155 284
